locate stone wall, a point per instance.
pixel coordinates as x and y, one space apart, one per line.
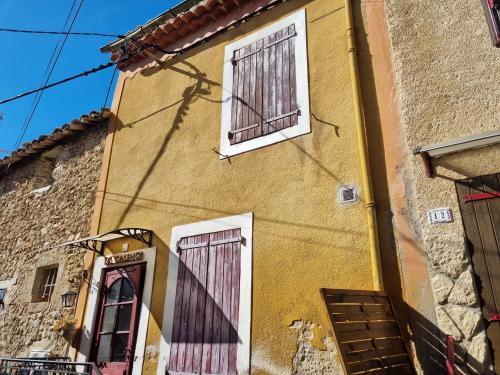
445 69
34 217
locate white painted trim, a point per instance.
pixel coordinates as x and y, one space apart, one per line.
304 122
92 301
245 222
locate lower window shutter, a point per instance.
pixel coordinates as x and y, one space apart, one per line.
205 322
280 86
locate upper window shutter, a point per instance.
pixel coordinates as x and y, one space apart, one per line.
264 94
280 89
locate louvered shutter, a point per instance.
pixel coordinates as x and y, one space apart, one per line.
492 11
205 324
264 87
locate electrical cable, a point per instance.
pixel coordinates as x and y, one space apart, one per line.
61 33
34 103
143 47
85 73
56 59
88 72
109 87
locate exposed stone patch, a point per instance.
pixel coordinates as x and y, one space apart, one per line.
442 285
311 360
31 223
463 291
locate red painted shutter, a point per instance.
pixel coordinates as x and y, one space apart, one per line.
205 326
264 87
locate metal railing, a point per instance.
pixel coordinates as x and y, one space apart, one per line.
55 366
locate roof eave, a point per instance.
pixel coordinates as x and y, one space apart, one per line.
155 22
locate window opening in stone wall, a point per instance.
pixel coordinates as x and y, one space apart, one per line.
44 169
2 297
44 285
43 172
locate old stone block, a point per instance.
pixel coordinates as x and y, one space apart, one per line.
446 255
441 285
467 319
447 324
478 359
463 292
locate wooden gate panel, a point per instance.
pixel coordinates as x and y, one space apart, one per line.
366 332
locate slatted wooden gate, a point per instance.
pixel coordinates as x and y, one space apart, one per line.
366 331
479 199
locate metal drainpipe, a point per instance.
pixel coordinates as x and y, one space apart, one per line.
363 151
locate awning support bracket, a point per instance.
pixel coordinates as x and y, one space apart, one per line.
96 243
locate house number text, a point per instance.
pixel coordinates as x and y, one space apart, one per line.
440 215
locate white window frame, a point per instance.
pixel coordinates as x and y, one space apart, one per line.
49 283
149 258
245 222
301 71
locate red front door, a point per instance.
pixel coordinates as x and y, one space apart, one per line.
115 329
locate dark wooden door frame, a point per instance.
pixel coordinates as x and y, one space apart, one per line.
480 208
136 277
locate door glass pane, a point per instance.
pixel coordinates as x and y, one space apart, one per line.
108 319
127 293
104 348
113 292
124 317
119 348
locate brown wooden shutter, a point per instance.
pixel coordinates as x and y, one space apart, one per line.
264 87
205 326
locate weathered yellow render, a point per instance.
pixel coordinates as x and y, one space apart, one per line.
163 172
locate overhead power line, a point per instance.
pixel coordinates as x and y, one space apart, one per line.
94 70
85 73
60 33
49 69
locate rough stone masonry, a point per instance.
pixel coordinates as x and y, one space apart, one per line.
44 200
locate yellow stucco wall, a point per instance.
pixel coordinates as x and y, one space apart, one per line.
164 173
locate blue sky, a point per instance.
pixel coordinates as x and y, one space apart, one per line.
24 57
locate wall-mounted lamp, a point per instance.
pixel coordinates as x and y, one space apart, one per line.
68 299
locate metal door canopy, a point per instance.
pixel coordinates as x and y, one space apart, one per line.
96 243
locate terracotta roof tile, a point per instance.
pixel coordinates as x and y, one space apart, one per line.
173 25
45 142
